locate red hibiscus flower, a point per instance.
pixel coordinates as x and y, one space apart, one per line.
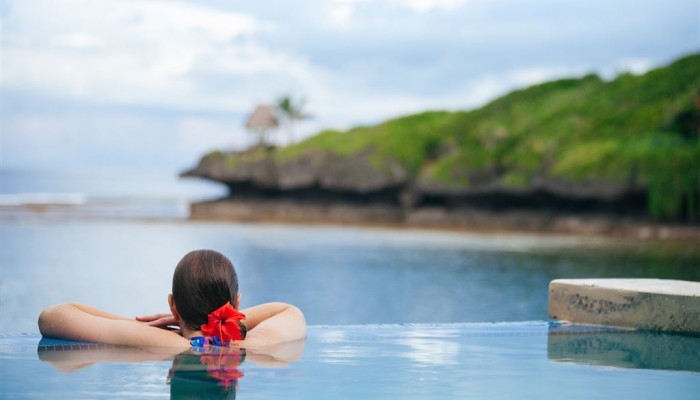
224 324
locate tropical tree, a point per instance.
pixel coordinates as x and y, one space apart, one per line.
292 111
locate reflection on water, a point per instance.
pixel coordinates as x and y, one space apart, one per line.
430 352
624 348
477 361
199 373
212 373
341 354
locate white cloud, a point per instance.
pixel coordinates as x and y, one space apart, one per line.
187 56
340 13
178 73
177 18
200 135
344 8
78 40
343 14
422 6
636 66
489 86
130 52
467 94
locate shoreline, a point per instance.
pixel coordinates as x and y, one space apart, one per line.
438 219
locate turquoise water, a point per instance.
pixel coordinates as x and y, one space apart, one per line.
337 275
446 361
116 249
112 240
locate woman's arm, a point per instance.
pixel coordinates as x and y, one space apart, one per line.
268 324
79 322
273 323
92 311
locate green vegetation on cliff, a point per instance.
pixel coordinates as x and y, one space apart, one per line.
640 132
635 129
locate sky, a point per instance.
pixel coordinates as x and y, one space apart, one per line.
155 84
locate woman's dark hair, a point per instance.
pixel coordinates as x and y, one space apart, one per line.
203 281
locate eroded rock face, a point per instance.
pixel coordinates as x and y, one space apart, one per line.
358 173
227 168
358 188
361 177
489 182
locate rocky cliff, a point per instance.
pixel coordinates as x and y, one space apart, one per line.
616 151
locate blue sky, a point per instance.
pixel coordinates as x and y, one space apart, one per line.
137 83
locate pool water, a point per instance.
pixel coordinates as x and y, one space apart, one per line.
443 361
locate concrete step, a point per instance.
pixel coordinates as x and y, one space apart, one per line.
656 304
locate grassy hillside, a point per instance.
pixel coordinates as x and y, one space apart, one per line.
636 130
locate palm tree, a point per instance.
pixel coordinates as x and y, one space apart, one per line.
292 110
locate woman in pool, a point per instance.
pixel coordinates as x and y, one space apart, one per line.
204 304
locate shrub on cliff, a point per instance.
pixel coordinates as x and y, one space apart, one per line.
630 133
582 139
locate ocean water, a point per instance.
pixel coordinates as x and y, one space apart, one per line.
394 313
112 238
102 193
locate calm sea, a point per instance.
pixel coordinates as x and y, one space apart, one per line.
112 238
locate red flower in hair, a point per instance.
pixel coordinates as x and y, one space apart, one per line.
224 324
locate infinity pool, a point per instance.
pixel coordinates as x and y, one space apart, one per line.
480 361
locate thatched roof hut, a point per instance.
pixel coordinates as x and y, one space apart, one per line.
263 118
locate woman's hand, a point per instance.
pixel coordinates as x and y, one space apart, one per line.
161 320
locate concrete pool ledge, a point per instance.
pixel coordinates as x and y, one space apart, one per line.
654 304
